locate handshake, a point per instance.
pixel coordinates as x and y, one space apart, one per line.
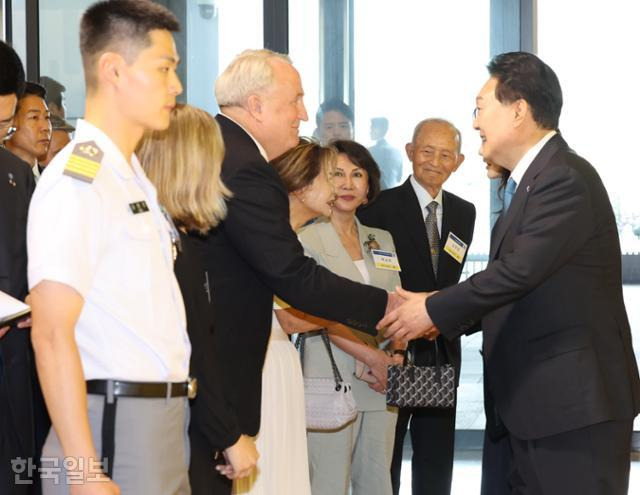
406 317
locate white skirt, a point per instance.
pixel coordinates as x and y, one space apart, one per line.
283 466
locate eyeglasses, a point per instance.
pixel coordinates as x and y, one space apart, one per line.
474 114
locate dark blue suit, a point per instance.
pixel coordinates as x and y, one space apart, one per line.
557 343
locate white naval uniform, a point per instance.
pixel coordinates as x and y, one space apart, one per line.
132 326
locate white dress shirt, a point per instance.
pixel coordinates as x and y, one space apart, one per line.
521 167
132 325
262 151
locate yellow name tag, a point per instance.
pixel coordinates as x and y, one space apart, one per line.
385 260
455 247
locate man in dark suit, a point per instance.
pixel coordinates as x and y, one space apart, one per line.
557 343
17 436
254 254
404 211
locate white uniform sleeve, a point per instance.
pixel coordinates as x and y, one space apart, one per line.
64 232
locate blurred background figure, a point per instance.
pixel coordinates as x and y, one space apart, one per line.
334 120
60 136
55 96
388 158
33 127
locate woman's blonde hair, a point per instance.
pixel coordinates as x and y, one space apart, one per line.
299 166
184 163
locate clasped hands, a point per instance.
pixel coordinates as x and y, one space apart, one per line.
406 317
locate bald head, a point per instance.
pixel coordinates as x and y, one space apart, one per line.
438 123
434 153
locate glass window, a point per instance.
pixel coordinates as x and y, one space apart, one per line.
19 29
405 61
599 116
209 39
409 63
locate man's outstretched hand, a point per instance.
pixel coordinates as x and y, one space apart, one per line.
409 320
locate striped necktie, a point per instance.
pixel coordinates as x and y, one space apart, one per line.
433 235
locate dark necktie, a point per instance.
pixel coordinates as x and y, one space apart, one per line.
509 191
431 223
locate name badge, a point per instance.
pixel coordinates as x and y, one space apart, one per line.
138 207
385 260
455 247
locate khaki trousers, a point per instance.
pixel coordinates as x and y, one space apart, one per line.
151 448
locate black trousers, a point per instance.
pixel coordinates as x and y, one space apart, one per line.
497 466
203 477
432 436
594 460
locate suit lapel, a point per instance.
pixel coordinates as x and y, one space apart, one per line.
337 257
449 217
519 199
409 210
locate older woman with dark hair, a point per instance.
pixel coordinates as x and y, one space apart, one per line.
358 454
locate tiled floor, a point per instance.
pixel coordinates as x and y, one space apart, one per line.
466 474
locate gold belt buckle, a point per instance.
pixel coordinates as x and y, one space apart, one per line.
192 388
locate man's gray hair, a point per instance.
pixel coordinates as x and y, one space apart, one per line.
424 122
249 73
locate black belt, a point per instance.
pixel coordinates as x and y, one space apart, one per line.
146 390
112 389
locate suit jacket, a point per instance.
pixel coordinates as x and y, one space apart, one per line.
16 186
253 255
322 243
557 342
398 211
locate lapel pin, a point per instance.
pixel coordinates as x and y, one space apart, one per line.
371 243
528 188
11 179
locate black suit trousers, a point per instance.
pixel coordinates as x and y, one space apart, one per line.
432 437
203 476
594 460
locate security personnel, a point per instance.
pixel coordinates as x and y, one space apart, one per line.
109 327
17 385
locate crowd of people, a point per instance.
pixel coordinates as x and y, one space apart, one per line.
169 256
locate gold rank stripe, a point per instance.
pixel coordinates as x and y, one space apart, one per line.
81 168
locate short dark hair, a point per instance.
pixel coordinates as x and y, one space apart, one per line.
54 90
360 155
12 73
522 75
34 89
380 122
123 22
334 106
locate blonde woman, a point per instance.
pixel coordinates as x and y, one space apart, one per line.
283 467
183 162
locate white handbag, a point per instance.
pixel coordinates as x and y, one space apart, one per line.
329 402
